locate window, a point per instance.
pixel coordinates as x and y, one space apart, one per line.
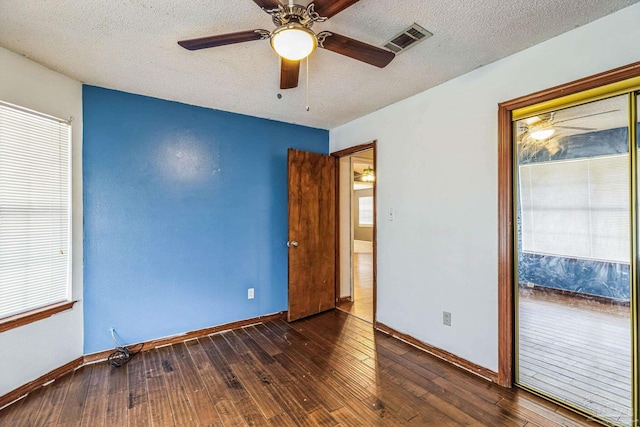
35 214
577 208
365 211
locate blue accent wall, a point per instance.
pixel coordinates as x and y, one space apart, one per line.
592 144
600 278
185 208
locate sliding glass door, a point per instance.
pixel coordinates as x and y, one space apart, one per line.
575 287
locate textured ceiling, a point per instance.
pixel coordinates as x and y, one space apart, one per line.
130 45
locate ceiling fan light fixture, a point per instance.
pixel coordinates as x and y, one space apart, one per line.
293 41
532 120
542 134
368 175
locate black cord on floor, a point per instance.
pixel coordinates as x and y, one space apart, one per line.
122 356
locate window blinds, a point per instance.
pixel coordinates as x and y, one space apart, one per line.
34 210
577 208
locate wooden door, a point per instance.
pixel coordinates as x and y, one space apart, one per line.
312 233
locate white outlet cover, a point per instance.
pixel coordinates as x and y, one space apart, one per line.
446 318
250 293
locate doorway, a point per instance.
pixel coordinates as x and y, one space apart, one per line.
355 288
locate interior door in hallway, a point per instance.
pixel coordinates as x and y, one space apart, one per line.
312 233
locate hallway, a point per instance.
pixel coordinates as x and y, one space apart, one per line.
362 305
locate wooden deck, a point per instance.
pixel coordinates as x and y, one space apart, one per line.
577 350
328 370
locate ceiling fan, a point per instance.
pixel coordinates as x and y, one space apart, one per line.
544 126
539 132
367 175
293 39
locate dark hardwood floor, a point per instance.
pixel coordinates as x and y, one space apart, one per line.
328 370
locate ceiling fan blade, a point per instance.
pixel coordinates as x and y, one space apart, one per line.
355 49
586 115
289 72
268 4
328 8
224 39
575 128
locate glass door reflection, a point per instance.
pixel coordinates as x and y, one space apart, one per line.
573 257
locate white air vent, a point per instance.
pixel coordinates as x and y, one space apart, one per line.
408 38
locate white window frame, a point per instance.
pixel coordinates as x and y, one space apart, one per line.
59 132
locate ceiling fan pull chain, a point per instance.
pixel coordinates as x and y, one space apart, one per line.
307 83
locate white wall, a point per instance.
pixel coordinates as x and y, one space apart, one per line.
32 350
438 167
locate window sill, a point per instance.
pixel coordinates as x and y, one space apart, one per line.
34 315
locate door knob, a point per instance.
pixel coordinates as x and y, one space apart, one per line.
292 244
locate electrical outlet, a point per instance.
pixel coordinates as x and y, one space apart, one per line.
250 294
446 318
392 214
